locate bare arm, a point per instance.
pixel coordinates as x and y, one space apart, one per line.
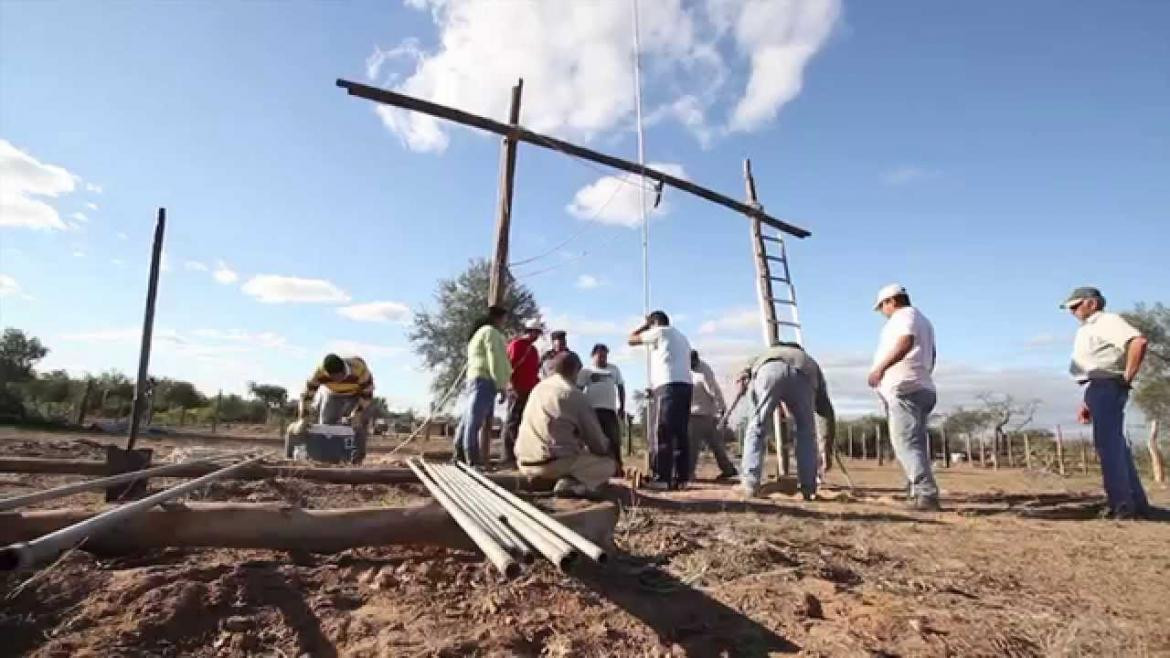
635 337
1135 353
901 348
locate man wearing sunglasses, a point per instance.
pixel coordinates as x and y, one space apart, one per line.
1107 354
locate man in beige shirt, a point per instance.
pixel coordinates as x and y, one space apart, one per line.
560 437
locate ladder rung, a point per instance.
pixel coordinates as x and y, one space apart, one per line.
785 323
775 258
780 279
784 301
770 238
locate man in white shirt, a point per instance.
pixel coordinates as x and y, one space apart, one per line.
602 383
902 368
670 380
1107 354
707 406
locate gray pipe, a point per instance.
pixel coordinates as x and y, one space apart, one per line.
546 543
575 540
93 485
23 555
489 546
507 537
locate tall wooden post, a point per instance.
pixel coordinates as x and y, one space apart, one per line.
141 384
498 285
215 411
1007 439
769 322
84 401
878 445
1059 451
1156 463
1084 457
1027 452
851 441
946 446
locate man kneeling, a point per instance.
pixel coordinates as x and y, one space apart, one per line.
560 437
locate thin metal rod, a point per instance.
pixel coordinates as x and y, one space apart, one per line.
642 181
478 535
552 547
147 330
94 485
507 538
572 538
525 135
42 549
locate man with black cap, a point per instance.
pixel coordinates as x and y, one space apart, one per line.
1107 355
560 343
349 391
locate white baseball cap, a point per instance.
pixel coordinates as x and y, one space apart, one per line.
533 324
887 292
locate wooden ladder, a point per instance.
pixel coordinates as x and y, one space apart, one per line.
779 316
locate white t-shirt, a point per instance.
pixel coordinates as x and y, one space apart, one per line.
912 373
601 385
670 356
1100 347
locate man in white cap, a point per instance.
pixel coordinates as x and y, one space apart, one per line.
901 374
525 361
1107 354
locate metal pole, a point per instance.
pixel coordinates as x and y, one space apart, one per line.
147 329
572 538
508 539
27 554
94 485
555 549
476 532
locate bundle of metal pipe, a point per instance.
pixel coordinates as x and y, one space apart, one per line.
24 555
500 520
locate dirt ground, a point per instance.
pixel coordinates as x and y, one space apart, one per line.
1018 564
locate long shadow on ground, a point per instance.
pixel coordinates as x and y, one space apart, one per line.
679 613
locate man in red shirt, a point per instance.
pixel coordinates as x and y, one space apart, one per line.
525 375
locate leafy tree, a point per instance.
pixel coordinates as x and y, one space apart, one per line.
18 355
440 337
1152 391
272 396
178 394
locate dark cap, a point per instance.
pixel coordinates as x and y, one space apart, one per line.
1081 294
557 335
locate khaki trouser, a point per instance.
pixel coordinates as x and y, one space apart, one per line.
588 469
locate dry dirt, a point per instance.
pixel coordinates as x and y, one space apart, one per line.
1017 565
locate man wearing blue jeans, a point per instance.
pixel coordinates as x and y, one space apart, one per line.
785 374
902 369
1107 354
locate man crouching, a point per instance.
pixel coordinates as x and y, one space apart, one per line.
560 437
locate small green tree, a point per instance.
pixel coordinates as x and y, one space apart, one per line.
1152 391
272 396
440 337
18 355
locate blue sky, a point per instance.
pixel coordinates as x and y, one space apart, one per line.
990 157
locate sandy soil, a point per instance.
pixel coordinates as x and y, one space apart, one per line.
1018 564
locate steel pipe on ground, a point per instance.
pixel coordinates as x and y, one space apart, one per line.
99 483
575 540
505 535
546 543
27 554
489 546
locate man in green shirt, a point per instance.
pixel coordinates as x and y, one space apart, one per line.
488 372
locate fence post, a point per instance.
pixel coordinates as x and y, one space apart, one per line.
215 411
1007 439
946 446
1084 457
84 401
850 441
1156 463
877 443
1027 452
1059 450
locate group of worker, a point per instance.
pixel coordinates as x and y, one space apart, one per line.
564 417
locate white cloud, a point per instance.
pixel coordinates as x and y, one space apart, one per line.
8 286
588 282
906 174
24 181
592 327
224 274
780 38
275 289
91 205
732 321
615 199
123 335
79 216
366 350
195 266
576 59
383 312
264 339
93 187
79 253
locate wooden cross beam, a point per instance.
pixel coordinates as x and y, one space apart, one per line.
523 134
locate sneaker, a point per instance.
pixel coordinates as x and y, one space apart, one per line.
727 476
570 488
925 504
808 496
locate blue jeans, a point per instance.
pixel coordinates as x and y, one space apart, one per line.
909 414
773 383
481 393
1106 399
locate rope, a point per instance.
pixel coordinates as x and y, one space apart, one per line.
442 401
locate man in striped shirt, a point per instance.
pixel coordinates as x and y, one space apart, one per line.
349 390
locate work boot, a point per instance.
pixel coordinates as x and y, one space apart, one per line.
808 495
656 485
727 476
